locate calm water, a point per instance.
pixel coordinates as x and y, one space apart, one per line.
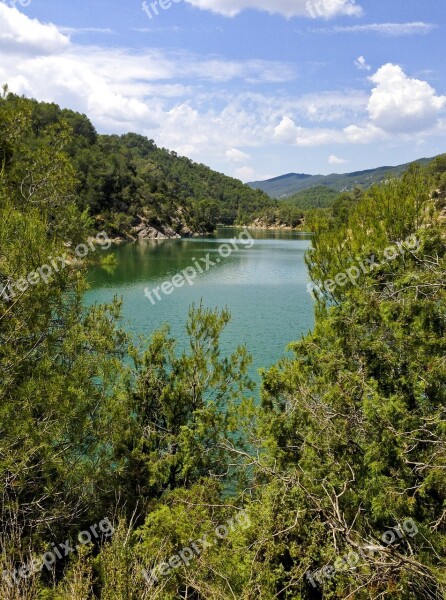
264 287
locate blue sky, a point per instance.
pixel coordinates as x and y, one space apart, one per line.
253 88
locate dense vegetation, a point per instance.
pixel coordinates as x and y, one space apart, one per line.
122 178
316 197
292 183
165 449
299 210
281 214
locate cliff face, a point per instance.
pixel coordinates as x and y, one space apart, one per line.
147 230
144 231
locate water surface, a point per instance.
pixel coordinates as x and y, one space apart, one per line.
264 287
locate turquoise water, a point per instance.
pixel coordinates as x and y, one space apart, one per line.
264 287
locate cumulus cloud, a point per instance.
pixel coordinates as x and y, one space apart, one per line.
397 105
22 35
336 160
402 105
286 8
286 132
179 98
363 134
235 155
361 64
122 91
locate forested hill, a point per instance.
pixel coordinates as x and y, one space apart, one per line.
123 178
292 183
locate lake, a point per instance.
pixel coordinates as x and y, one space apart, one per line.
262 283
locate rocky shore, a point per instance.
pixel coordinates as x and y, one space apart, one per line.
149 231
277 225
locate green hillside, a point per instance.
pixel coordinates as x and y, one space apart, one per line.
292 183
316 197
122 180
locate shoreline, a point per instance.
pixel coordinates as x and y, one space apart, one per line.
266 228
130 239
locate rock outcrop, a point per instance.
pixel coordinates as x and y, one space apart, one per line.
261 224
144 231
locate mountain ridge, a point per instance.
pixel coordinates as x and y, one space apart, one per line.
284 186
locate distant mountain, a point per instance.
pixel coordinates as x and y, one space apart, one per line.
291 183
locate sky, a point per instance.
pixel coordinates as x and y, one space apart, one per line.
252 88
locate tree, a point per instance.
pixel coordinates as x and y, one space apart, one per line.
183 407
351 441
59 367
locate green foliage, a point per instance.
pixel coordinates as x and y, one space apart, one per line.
437 170
282 214
183 407
207 541
123 179
349 440
56 421
77 583
315 197
355 422
384 215
286 185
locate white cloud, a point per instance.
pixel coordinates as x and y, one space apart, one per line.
122 91
361 64
335 160
286 132
235 155
286 8
318 137
357 134
389 29
332 106
400 104
188 150
245 174
179 99
21 35
80 30
253 71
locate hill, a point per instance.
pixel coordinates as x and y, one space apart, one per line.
130 186
292 183
315 197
